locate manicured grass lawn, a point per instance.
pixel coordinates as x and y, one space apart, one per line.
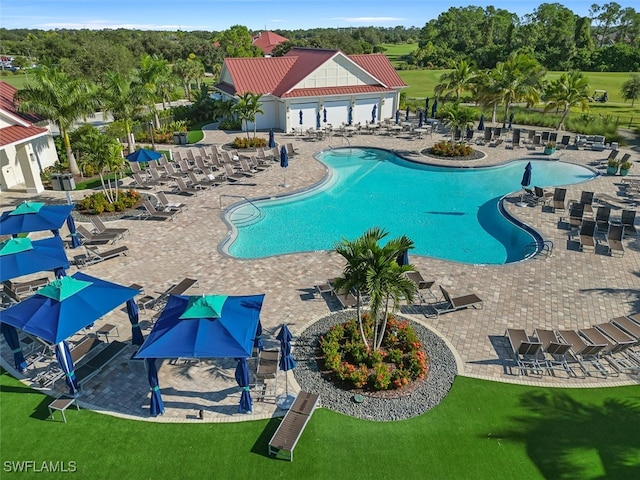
481 430
395 52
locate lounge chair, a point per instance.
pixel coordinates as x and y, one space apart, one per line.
231 175
423 285
291 151
542 195
451 304
177 289
95 256
587 235
488 131
26 288
102 229
559 199
576 212
535 143
614 240
89 238
587 198
602 217
497 142
527 353
86 370
564 142
182 188
545 137
142 183
628 220
167 205
202 184
585 352
616 344
553 137
158 177
346 299
554 350
515 140
628 325
152 213
267 369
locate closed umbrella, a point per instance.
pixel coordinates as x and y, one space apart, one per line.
258 344
374 114
397 117
318 120
525 182
13 340
63 356
420 119
300 117
350 116
242 377
324 115
284 163
71 224
511 121
272 140
134 318
426 106
403 258
406 116
286 363
434 108
481 123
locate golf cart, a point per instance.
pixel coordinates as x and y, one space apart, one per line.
600 96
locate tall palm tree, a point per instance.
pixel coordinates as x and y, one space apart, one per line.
568 91
487 92
124 97
105 154
462 78
246 108
155 76
255 110
57 97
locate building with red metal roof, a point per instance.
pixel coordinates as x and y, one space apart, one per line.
307 84
267 41
26 145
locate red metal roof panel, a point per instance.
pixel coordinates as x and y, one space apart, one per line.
16 133
8 104
378 65
327 91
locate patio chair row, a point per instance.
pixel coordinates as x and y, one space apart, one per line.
615 343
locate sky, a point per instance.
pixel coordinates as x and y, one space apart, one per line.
219 15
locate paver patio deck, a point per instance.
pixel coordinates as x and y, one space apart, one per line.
569 289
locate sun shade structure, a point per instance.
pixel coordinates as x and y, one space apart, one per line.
21 256
66 306
34 217
143 155
209 326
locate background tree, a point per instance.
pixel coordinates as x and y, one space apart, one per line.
631 88
57 97
458 80
569 90
237 42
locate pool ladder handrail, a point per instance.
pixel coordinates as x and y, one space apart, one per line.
243 198
545 246
344 137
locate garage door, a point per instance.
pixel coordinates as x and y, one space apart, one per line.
308 111
364 107
337 112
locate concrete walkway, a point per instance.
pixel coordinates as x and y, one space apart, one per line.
569 289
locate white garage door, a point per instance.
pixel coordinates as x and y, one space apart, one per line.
308 110
337 112
363 110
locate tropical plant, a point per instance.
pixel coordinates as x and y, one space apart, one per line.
568 91
457 117
246 109
57 97
462 78
124 97
156 77
373 270
631 88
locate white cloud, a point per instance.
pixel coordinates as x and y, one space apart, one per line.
369 19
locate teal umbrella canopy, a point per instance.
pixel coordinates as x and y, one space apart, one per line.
34 217
21 256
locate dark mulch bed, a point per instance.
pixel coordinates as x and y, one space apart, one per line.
475 155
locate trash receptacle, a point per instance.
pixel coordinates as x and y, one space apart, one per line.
183 138
56 181
68 183
176 138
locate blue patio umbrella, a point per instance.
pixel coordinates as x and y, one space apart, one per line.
21 256
13 340
66 306
34 217
272 140
300 117
156 406
284 163
63 356
434 108
350 116
324 115
134 318
525 182
426 105
258 344
397 117
403 258
286 361
511 115
420 119
143 155
481 123
406 115
374 114
318 126
242 377
71 225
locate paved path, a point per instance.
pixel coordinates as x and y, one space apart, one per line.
569 289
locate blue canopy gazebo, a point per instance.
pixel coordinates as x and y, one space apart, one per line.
208 326
34 217
64 307
22 256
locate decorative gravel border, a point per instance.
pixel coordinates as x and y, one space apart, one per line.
442 372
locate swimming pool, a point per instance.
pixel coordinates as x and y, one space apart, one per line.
449 213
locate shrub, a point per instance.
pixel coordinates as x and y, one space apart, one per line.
446 149
98 203
243 142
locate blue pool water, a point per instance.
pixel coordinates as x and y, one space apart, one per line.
449 213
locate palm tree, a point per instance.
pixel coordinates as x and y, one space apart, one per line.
487 92
54 95
155 76
255 110
246 108
568 91
124 97
460 79
105 154
373 269
456 116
